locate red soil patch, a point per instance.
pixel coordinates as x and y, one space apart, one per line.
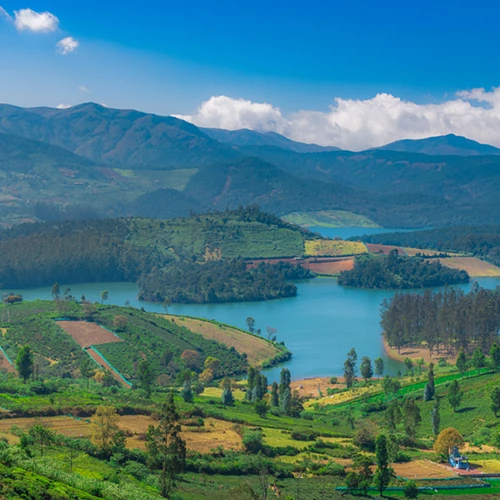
5 365
321 265
86 334
422 469
384 249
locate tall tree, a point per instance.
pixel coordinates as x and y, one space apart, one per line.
285 392
87 369
478 359
146 376
227 393
56 290
366 368
379 367
461 361
251 324
384 472
495 400
104 296
436 418
187 392
165 447
393 415
24 362
350 368
41 435
104 426
495 357
275 398
412 417
455 395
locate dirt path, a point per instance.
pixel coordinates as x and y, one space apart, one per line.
98 358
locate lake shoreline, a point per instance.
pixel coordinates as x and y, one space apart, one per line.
414 353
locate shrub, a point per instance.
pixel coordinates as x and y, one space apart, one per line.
252 441
304 435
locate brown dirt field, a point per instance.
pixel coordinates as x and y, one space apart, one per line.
201 439
86 334
94 355
384 249
256 349
5 365
422 469
416 353
476 268
329 268
308 388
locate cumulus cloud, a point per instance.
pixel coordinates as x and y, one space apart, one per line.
67 45
360 124
39 22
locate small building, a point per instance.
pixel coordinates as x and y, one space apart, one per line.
457 460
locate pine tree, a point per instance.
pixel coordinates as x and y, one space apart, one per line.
24 362
187 392
427 392
478 360
379 367
430 380
412 417
285 381
227 393
384 472
285 401
495 357
165 447
366 369
275 399
455 395
495 400
252 372
461 361
350 368
436 418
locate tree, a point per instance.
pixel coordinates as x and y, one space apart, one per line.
187 392
24 362
104 426
41 435
227 393
379 367
275 398
120 323
435 418
455 395
350 368
296 406
384 472
165 447
366 369
56 290
461 361
362 468
271 332
430 382
206 376
261 408
447 439
166 304
495 401
410 490
285 392
412 417
408 364
478 359
393 415
285 401
495 357
213 364
191 358
87 369
391 385
104 296
251 324
252 441
146 376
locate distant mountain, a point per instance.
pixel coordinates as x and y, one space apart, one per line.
246 137
450 144
124 138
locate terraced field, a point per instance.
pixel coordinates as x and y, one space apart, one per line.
333 248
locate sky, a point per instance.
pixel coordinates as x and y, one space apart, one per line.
353 74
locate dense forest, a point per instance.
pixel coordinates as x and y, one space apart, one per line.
197 259
399 272
480 241
446 320
220 281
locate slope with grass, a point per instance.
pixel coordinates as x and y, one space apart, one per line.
329 218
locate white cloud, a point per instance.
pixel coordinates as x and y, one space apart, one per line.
4 13
39 22
67 45
63 106
360 124
84 89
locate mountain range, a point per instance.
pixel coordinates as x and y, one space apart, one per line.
124 162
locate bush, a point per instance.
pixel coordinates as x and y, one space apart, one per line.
252 441
304 435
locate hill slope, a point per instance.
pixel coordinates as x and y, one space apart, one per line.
124 138
450 144
246 137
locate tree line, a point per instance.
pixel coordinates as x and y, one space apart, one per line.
399 272
446 320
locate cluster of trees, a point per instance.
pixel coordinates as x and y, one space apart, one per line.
227 280
446 320
481 241
399 272
367 368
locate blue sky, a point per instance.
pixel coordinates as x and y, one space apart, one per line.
170 57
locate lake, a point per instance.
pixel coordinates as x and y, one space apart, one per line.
319 326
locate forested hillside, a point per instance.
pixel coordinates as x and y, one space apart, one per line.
480 241
154 252
399 272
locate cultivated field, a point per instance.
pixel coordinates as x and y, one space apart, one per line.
329 267
329 218
86 334
476 268
104 364
333 248
422 469
384 249
257 350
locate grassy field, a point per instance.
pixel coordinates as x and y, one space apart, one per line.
258 350
329 218
333 248
476 268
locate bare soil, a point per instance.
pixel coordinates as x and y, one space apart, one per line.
417 353
87 334
422 469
